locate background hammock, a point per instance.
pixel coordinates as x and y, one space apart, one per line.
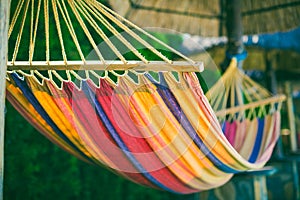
248 113
155 129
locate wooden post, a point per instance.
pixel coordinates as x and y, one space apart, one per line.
234 28
260 188
271 83
291 116
293 136
4 20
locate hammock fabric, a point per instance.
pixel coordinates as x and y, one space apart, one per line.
162 134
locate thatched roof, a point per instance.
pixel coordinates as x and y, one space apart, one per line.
207 17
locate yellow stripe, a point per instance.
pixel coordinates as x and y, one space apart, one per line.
157 122
38 120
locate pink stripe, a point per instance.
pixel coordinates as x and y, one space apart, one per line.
230 132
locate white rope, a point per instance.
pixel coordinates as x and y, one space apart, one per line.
46 16
235 94
115 32
144 32
33 40
15 17
58 27
74 17
68 22
17 44
99 31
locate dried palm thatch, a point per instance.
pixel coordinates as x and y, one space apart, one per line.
207 18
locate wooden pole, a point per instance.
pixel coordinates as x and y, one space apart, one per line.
293 136
271 83
291 116
4 20
182 66
256 104
234 28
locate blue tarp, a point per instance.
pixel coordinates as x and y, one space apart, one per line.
289 40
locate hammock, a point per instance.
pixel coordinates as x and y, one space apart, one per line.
248 114
160 134
156 129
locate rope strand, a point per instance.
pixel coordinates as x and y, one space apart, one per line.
100 32
32 43
115 32
46 13
17 45
90 19
15 17
58 27
68 22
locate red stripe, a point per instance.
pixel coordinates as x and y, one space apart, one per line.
134 140
100 136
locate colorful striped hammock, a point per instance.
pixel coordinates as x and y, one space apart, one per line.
156 129
163 134
248 113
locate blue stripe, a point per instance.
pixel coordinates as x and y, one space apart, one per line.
174 107
224 127
258 140
37 106
92 99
